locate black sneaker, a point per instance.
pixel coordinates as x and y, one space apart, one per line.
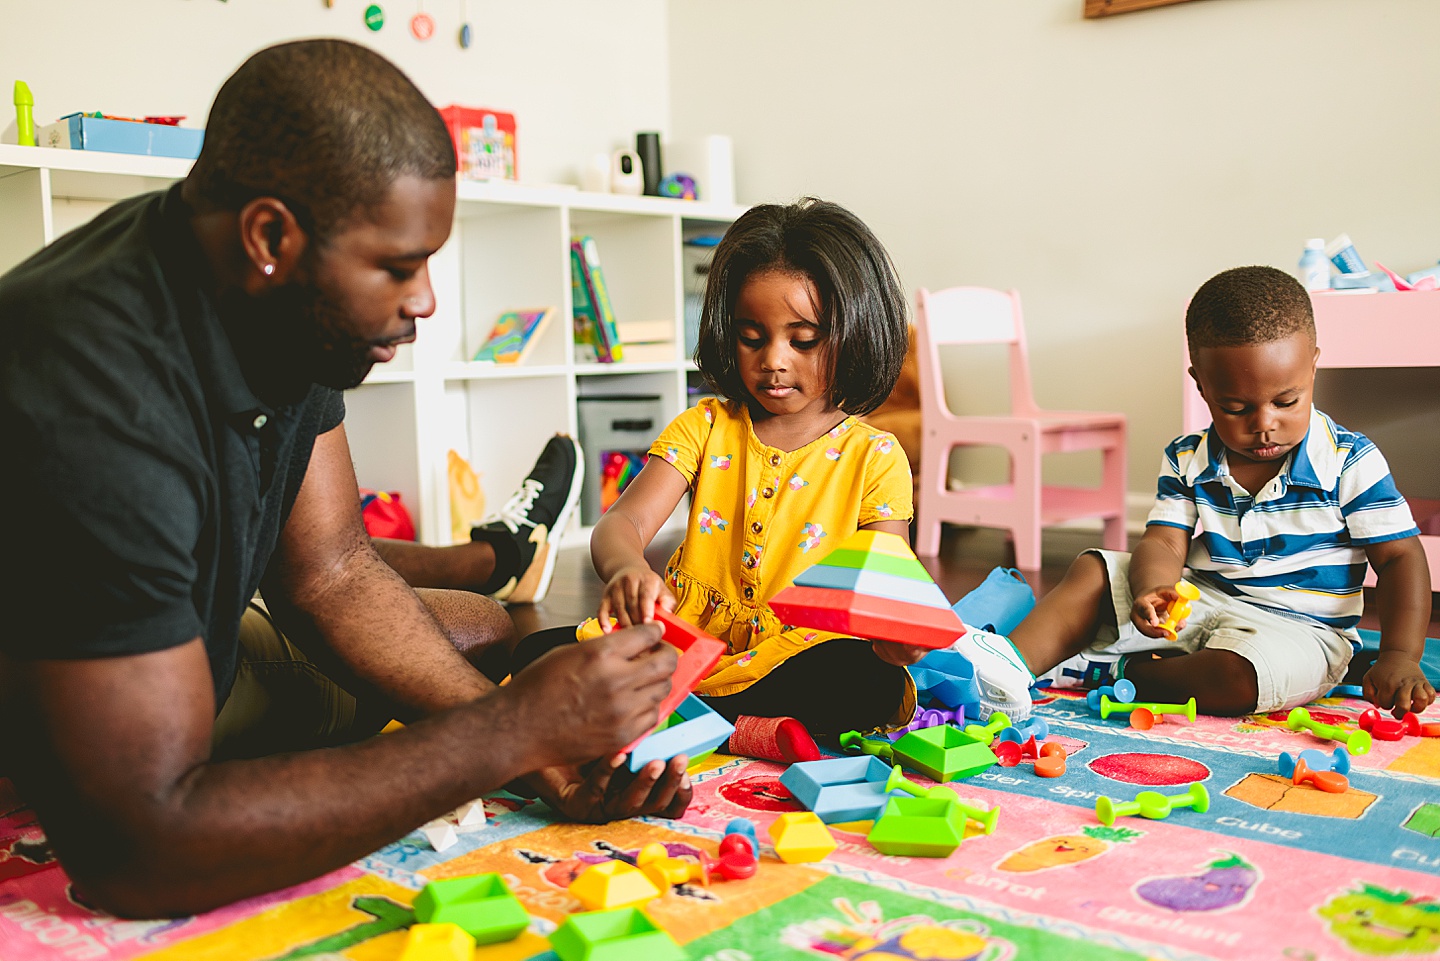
526 531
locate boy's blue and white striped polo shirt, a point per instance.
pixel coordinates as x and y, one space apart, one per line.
1298 547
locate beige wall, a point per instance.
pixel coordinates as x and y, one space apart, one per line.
581 77
1105 168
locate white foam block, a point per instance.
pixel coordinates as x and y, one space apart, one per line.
470 815
441 834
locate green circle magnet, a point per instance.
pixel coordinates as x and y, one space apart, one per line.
374 16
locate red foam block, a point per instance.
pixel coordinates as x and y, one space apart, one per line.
867 616
699 653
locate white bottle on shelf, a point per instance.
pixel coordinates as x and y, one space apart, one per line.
1315 266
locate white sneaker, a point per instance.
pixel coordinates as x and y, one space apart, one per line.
1088 670
1001 672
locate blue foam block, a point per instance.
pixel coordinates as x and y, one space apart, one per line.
695 730
839 789
999 604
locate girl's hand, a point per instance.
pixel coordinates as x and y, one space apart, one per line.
1396 684
1150 609
901 655
631 596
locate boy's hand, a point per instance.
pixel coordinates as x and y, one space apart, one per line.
1150 609
1396 683
901 655
631 597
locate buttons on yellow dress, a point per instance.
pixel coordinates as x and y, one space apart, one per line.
768 492
774 460
749 593
756 527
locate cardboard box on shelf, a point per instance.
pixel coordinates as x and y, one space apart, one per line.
77 131
484 142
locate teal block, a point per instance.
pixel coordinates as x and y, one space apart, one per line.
839 789
693 730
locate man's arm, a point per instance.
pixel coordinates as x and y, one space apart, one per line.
116 754
326 581
1402 592
115 762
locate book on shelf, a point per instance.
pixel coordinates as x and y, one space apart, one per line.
595 317
514 336
650 353
645 331
587 349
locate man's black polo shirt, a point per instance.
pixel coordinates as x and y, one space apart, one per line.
145 483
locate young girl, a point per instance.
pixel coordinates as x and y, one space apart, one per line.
803 329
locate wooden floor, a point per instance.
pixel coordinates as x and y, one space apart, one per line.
966 556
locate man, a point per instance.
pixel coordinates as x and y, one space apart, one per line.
169 394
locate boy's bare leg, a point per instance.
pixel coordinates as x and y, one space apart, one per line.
1064 621
1222 682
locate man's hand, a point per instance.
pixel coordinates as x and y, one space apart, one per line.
1150 609
1396 683
602 794
900 655
583 701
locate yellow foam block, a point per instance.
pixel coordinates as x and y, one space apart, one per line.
613 884
438 942
801 836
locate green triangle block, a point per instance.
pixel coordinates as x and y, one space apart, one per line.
625 934
918 828
481 904
943 753
871 561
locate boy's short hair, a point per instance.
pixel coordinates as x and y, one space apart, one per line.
327 126
1248 305
862 305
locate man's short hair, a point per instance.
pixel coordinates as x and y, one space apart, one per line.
327 126
1248 305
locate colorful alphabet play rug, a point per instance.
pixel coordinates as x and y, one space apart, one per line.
1270 871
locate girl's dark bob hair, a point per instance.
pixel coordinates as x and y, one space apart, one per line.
862 307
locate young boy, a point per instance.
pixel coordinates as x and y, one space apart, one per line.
1274 509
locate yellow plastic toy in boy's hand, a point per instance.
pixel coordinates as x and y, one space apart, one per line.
1179 609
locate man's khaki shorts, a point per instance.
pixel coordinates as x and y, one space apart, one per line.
1295 661
282 702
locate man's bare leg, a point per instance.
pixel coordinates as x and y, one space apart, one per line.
463 567
480 628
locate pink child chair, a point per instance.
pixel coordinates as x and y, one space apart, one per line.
980 315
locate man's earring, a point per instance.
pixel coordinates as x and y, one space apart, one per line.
268 270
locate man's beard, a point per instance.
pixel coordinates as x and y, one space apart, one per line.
291 338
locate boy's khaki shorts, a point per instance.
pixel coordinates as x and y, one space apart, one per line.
1295 661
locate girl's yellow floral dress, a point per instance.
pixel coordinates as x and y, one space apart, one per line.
759 516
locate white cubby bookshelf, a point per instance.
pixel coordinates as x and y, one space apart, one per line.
510 250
